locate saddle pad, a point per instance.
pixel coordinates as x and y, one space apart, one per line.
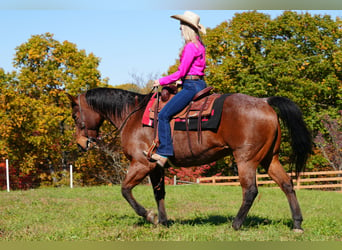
209 122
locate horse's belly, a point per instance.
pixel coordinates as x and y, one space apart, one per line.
197 154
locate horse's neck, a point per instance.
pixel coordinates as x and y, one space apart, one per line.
120 120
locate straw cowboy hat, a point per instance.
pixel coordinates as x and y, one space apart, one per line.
192 19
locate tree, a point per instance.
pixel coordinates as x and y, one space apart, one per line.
37 129
294 55
330 143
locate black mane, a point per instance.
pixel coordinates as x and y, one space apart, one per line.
111 101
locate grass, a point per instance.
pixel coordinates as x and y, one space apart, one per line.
196 213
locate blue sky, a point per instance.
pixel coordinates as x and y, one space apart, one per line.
128 41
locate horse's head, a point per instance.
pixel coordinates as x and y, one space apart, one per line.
87 122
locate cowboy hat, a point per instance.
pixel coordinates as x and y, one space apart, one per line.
192 19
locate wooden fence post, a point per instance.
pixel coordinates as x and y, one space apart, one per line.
257 179
298 181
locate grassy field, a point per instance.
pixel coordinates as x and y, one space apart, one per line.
197 213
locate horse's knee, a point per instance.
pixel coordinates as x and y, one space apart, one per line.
287 187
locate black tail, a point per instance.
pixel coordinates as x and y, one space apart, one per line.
301 140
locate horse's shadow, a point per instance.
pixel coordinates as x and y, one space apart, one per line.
250 222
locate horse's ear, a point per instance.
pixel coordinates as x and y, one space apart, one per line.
72 99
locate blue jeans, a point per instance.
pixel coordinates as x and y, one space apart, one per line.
174 106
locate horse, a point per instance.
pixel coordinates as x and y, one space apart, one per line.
249 129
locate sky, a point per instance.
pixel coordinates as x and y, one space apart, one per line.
130 40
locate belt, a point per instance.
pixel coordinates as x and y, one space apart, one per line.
193 77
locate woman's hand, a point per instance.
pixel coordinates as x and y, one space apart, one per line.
179 82
156 83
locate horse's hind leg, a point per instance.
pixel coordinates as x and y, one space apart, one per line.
247 176
278 174
137 172
158 184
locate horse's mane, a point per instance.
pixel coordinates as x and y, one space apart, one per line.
111 101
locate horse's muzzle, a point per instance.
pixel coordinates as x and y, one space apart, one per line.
90 143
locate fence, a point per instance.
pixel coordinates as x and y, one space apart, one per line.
7 175
326 180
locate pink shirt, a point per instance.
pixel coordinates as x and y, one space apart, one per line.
192 62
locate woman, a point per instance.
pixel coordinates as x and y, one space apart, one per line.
191 72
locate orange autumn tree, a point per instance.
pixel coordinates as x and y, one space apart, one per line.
37 131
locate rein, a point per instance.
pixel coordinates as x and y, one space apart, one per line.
140 106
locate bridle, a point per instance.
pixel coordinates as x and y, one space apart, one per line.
83 126
90 139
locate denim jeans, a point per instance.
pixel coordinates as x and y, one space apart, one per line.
174 106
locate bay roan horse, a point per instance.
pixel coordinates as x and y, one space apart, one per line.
249 129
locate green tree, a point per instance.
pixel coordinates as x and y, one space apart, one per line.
295 55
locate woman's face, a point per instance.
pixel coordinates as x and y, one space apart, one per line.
181 29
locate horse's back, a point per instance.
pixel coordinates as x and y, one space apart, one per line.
247 119
245 108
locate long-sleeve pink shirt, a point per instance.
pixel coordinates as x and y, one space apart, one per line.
192 62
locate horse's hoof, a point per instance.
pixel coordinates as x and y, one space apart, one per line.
164 223
152 217
236 225
298 230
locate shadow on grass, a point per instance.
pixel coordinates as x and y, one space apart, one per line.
250 222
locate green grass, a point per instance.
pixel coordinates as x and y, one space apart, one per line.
197 213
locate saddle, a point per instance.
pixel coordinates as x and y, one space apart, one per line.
200 106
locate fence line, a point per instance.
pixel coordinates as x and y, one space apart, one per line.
324 180
306 180
175 181
7 175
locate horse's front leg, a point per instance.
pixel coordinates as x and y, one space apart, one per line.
136 173
158 184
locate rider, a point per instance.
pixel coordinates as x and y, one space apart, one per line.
191 72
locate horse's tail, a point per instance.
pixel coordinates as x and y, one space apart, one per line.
301 140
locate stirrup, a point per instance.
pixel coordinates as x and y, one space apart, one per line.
149 152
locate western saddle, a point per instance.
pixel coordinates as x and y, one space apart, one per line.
200 106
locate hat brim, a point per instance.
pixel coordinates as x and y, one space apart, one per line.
186 20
